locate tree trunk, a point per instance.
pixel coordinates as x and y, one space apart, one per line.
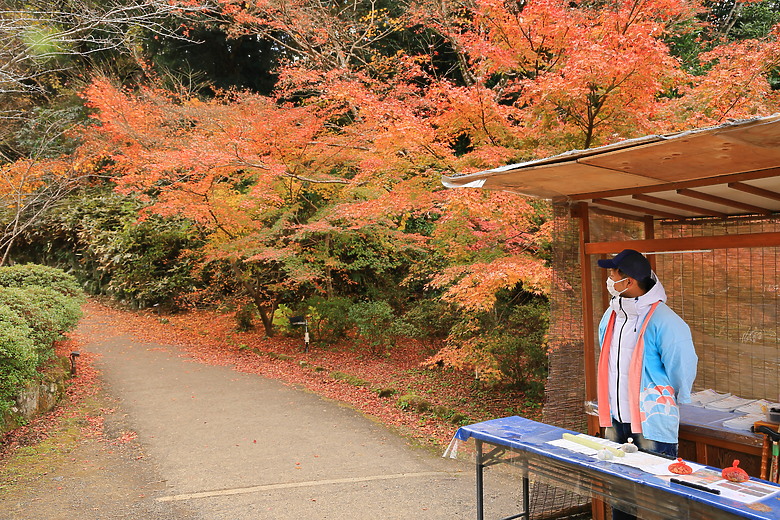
328 271
266 316
7 252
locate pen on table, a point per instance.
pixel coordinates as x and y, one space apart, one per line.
694 486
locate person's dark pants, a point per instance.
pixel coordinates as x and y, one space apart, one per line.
620 432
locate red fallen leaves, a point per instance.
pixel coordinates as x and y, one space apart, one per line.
210 338
85 385
125 438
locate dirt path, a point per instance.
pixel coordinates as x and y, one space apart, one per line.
72 476
185 440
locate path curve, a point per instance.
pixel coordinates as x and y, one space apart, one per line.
220 444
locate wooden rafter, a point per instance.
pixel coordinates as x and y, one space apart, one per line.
754 190
671 186
617 214
679 205
723 201
639 209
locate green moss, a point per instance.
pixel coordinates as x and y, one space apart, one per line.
278 355
413 402
386 392
349 378
460 419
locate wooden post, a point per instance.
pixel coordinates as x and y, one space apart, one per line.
598 508
649 235
589 342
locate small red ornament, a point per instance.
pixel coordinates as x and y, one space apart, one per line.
680 467
735 474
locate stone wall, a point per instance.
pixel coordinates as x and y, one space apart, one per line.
38 397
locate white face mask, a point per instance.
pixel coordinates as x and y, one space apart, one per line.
611 287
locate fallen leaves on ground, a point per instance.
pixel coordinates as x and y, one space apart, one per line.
344 372
77 390
210 337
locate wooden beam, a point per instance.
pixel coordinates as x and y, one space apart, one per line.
639 209
723 201
679 205
754 190
617 214
771 239
588 340
671 186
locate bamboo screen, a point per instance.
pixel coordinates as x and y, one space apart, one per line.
565 388
730 298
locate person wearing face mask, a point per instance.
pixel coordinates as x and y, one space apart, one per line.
647 363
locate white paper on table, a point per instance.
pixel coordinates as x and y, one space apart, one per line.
578 448
648 462
729 404
744 422
757 407
707 396
660 466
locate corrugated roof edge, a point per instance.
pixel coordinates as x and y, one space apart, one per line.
471 180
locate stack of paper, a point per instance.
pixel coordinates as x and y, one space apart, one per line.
729 404
743 422
707 396
758 407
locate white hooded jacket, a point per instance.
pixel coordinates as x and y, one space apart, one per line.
630 314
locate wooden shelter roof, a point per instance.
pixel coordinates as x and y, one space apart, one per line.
727 170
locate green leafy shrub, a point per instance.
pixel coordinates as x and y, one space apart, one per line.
48 313
432 320
245 317
37 305
377 325
328 317
97 235
148 261
18 359
26 275
281 321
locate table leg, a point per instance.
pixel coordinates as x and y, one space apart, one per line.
480 490
526 512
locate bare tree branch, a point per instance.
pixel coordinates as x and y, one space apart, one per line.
34 37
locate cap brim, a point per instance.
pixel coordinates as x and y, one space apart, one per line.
607 263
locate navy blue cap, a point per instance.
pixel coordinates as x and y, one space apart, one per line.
630 262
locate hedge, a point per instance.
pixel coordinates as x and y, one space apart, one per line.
38 304
18 359
48 313
26 275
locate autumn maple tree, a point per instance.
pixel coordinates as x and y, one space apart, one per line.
28 189
329 186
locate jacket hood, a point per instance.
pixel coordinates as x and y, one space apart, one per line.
641 304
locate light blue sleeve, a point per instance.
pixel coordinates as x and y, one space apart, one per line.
677 352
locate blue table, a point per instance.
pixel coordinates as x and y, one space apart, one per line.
523 443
